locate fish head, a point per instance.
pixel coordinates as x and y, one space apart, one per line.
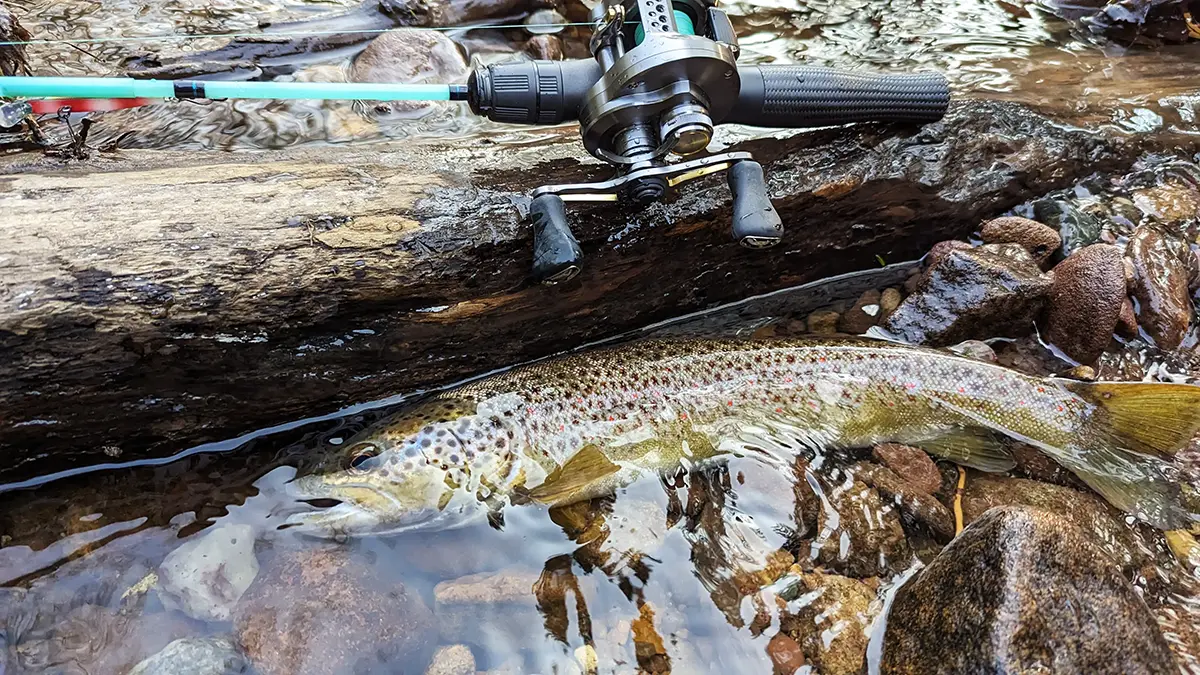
426 468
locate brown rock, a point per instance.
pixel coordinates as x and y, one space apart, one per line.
863 539
1036 465
1041 241
785 653
1085 301
823 322
910 464
943 248
545 48
1127 324
865 313
917 504
889 300
1022 590
990 291
316 612
1124 544
1160 285
831 628
1171 202
452 660
409 55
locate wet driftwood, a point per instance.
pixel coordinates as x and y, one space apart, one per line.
153 300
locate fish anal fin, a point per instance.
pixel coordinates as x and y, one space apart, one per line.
1152 418
973 447
571 481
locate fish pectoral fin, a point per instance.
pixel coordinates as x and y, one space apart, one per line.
974 447
570 481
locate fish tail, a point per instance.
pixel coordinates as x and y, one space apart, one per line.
1125 445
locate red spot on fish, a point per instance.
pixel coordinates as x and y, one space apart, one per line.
1041 390
731 404
529 411
910 385
821 359
683 416
779 410
962 390
1020 402
1060 408
610 418
561 427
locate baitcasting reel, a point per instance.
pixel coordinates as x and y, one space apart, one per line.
664 74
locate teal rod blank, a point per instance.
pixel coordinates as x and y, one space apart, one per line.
123 87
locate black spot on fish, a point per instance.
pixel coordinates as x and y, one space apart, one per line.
425 442
454 459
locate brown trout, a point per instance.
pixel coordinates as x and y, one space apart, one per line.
582 425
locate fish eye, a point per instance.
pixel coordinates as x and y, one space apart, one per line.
364 453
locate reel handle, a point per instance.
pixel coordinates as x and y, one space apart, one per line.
556 253
804 96
756 224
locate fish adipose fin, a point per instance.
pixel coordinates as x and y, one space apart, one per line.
575 479
971 446
1153 418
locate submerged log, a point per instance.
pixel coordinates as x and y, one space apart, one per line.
153 300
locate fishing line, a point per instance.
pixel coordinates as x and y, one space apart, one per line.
315 33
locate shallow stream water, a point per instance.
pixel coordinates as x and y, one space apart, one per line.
677 575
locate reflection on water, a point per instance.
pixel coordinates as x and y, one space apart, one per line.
754 566
1013 50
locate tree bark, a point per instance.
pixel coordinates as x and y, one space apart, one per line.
153 300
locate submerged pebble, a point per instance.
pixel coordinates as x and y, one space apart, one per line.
205 577
195 656
828 619
452 660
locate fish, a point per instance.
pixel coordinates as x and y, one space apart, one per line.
582 425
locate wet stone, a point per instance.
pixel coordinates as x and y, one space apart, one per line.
786 655
827 616
1076 228
889 300
974 349
1022 590
911 464
1039 240
544 48
990 291
205 576
1085 301
411 56
1170 203
865 313
452 660
318 612
499 607
1124 545
823 322
1034 464
857 533
195 656
1160 285
919 505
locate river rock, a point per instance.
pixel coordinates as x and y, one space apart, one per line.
974 349
1039 240
889 300
917 504
1170 202
1160 284
544 48
994 290
1076 228
498 607
911 464
786 655
195 656
318 612
1085 301
1127 324
205 577
828 618
939 251
857 533
1085 510
411 56
1036 465
823 322
452 660
1022 590
865 313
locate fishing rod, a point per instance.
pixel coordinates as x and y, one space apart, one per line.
662 76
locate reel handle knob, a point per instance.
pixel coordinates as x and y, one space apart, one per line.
756 224
556 253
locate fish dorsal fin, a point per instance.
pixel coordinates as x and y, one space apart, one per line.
571 481
1153 418
973 447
